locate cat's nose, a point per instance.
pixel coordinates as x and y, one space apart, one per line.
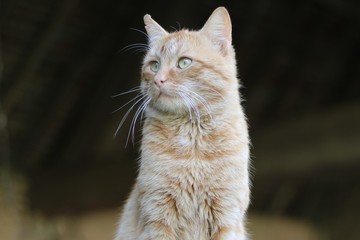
159 81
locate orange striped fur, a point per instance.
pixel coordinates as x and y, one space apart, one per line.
193 181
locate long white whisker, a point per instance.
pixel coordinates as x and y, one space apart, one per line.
139 47
134 89
144 45
197 97
133 122
140 31
186 101
202 101
191 103
209 89
214 91
126 115
143 111
196 110
136 97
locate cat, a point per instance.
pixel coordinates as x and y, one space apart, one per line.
193 179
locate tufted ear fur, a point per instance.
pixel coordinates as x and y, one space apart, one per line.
153 29
218 29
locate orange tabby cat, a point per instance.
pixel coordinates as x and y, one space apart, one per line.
193 181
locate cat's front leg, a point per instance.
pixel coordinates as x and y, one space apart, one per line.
157 231
158 214
229 218
230 233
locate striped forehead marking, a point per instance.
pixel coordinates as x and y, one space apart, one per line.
170 47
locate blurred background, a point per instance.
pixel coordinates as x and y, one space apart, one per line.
63 175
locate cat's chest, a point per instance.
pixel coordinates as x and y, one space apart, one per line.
190 179
187 142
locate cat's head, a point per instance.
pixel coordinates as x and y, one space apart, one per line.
188 71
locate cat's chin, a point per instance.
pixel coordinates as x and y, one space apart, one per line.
165 97
170 104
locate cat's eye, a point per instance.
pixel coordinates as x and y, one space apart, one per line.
154 66
184 62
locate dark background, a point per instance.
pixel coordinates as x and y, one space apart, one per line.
299 64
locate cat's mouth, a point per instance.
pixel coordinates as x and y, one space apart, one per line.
162 93
163 97
166 99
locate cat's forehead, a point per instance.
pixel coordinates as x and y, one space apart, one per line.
170 46
174 44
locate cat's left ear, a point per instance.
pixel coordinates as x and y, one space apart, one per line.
153 29
218 29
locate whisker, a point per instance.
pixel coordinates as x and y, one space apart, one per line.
209 89
214 91
150 98
199 98
133 122
139 47
202 101
175 29
134 89
143 111
133 99
185 99
140 31
179 27
136 46
192 104
142 114
127 114
196 110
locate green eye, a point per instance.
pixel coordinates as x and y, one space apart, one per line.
154 66
184 62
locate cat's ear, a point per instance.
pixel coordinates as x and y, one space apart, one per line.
153 29
218 29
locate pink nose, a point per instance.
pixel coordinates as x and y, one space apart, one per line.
159 81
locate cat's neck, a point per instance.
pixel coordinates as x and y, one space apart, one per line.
194 140
207 119
167 119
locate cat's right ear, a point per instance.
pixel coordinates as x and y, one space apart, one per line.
153 29
218 29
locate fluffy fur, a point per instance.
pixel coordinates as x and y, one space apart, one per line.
193 181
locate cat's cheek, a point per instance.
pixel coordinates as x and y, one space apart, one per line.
147 76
